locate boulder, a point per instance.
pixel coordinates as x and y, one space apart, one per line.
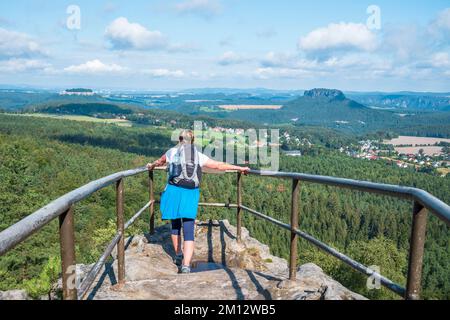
14 295
222 269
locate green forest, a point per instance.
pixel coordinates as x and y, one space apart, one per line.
42 159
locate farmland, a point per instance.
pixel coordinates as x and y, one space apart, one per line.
234 107
429 151
119 122
412 145
415 141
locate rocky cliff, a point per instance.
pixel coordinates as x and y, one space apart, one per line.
327 93
223 269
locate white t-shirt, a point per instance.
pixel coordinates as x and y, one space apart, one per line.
202 159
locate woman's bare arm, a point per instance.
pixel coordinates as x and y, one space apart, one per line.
222 166
158 163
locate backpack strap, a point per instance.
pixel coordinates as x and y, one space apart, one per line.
183 162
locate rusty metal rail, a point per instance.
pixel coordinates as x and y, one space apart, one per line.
63 208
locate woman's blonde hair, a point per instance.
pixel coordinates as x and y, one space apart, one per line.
186 137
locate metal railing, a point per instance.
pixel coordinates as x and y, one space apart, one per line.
63 208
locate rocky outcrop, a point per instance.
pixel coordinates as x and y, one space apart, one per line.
14 295
327 93
222 269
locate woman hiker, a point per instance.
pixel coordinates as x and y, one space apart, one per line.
179 201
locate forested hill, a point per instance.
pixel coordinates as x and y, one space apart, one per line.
40 160
88 109
136 114
405 100
318 107
332 109
323 106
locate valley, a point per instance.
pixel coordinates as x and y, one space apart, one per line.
65 144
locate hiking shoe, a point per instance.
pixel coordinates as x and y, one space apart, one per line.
185 269
178 260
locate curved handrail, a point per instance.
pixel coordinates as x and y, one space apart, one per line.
21 230
437 206
63 208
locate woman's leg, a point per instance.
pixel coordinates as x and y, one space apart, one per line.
176 236
188 247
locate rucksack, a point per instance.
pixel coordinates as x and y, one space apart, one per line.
185 170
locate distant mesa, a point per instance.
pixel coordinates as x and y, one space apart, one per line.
327 93
77 92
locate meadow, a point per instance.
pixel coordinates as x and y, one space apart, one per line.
235 107
415 141
119 122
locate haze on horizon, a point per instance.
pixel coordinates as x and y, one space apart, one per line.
183 44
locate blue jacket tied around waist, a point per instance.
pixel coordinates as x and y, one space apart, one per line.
177 203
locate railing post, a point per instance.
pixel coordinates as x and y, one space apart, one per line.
294 225
68 261
152 199
239 210
416 249
121 229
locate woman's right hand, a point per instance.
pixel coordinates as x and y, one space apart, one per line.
161 161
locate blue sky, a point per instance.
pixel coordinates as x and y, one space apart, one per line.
179 44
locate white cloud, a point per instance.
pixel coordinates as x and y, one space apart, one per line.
22 65
443 19
440 26
16 44
274 59
358 62
204 8
95 67
441 59
271 73
406 42
164 73
127 35
230 58
287 60
289 65
338 36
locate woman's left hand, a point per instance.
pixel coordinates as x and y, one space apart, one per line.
244 170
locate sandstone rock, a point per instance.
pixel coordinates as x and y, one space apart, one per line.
14 295
313 284
328 93
223 269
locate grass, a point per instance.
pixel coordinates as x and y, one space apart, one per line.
444 171
212 109
235 107
119 122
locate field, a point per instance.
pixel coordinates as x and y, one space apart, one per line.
429 151
415 141
119 122
444 171
234 107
